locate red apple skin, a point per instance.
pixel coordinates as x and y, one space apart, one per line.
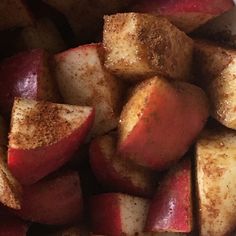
56 200
171 208
173 115
11 225
104 169
102 206
186 14
49 158
117 214
26 75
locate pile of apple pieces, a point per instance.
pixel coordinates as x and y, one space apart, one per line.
160 118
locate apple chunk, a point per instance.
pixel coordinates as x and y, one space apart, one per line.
171 208
216 186
118 174
83 80
216 72
44 136
142 45
185 14
160 122
117 214
27 75
55 200
14 13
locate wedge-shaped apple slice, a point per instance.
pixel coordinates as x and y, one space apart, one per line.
187 15
44 136
14 13
160 122
27 75
142 45
117 214
43 34
83 80
216 71
11 225
216 186
55 200
116 173
171 208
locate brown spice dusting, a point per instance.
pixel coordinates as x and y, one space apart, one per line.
47 124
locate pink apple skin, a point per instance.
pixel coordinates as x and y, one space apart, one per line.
101 207
11 225
26 75
187 14
168 118
171 208
56 200
48 158
116 173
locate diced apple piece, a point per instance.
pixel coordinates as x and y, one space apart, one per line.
12 226
185 14
10 189
26 75
116 173
83 80
44 136
43 34
14 13
216 71
171 208
117 214
56 200
141 45
161 121
216 186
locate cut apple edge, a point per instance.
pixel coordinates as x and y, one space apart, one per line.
136 105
